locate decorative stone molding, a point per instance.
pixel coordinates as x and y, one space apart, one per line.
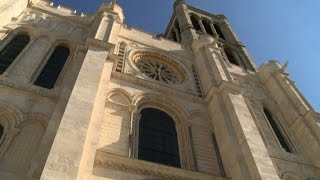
157 66
13 120
178 114
110 161
52 24
290 176
206 117
141 83
6 139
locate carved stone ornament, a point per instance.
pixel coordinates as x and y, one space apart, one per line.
109 161
159 67
51 24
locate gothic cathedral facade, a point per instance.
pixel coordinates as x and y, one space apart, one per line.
85 97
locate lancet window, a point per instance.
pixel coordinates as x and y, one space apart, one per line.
277 131
51 71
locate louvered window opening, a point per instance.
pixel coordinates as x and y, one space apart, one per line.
197 82
121 53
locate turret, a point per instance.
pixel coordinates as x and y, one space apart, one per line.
108 22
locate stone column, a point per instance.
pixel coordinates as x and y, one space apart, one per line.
105 27
182 14
35 55
68 147
201 26
248 145
177 34
213 29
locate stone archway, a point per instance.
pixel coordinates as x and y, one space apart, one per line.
179 116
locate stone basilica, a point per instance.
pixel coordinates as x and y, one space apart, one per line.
84 97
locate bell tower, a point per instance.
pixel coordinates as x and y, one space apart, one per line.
188 24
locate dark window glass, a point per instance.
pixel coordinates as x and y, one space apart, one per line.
195 23
1 131
207 27
174 36
277 131
219 31
53 68
232 59
158 138
177 26
12 50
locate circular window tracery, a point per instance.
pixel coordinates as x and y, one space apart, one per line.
159 67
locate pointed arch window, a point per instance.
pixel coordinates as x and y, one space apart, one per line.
277 131
219 31
231 56
51 71
173 36
11 51
207 27
195 23
177 26
158 138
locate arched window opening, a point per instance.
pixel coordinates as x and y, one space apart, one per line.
230 55
277 131
51 71
195 23
177 26
12 50
219 31
207 27
158 138
1 131
173 36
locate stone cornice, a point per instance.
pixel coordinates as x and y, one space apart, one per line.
98 43
49 94
111 161
224 86
73 20
155 86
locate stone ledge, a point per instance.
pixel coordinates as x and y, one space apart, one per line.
106 160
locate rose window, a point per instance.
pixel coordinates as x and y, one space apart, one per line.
159 68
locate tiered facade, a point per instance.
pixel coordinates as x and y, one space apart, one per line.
85 97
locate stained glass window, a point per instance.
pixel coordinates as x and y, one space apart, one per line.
158 138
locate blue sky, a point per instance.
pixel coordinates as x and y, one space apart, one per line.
283 30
